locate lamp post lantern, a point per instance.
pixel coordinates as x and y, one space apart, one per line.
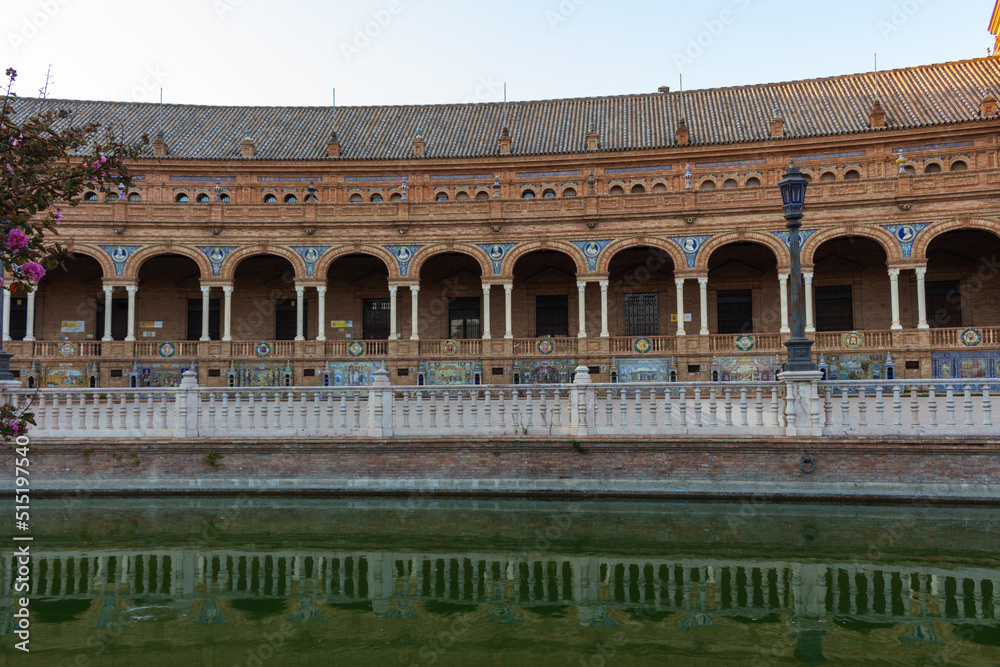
793 196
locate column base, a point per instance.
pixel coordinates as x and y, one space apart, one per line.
704 332
923 325
300 338
681 333
896 327
508 336
227 339
106 339
582 334
786 330
605 334
204 339
414 337
29 338
128 339
487 337
320 339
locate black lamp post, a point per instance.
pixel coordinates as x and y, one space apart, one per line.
793 197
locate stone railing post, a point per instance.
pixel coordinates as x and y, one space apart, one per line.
187 401
380 405
802 404
581 402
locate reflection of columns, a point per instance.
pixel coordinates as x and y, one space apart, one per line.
486 312
205 290
604 309
808 279
321 313
131 289
507 289
921 298
679 282
227 312
414 291
581 288
783 297
703 291
894 298
300 312
392 312
29 330
6 313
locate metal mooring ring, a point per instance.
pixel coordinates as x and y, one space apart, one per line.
807 464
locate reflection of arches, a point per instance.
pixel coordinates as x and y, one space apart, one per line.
333 254
139 257
877 234
522 249
937 229
769 240
476 253
230 263
95 253
604 261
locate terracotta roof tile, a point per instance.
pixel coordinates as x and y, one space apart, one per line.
912 97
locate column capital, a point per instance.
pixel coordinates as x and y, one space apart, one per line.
921 271
508 287
392 289
109 289
782 277
321 289
893 274
604 285
299 289
703 281
486 288
679 282
581 285
206 290
131 289
807 276
227 289
414 288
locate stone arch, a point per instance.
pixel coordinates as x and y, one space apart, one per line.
604 261
95 253
881 236
425 253
229 265
928 234
769 240
333 254
139 257
522 249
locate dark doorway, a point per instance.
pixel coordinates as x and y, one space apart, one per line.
642 314
944 303
463 317
18 317
375 319
735 311
119 318
194 319
285 321
834 308
552 316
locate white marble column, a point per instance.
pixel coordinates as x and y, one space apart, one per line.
108 301
300 329
205 293
227 312
414 311
29 330
393 289
807 279
6 313
921 298
604 309
130 331
703 292
321 313
508 288
894 298
581 289
679 283
783 298
486 312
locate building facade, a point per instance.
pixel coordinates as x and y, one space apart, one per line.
638 235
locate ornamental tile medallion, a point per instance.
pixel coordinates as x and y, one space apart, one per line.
262 349
403 255
785 237
744 342
497 253
690 245
216 255
852 340
906 235
449 348
546 346
592 250
167 349
310 255
356 348
67 349
119 255
971 337
642 345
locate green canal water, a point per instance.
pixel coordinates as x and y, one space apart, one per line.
420 581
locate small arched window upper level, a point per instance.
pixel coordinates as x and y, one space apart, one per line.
852 175
827 177
708 185
441 196
638 189
549 194
290 199
617 190
569 192
181 197
376 198
90 196
730 184
932 168
270 199
659 187
462 196
202 198
482 195
528 194
224 198
909 169
959 165
134 196
356 198
753 182
395 196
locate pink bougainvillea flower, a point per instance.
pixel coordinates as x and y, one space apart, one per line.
16 239
16 428
58 216
33 271
103 159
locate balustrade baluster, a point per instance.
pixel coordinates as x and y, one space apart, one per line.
447 408
488 409
82 411
328 402
609 408
862 406
681 406
775 407
357 410
501 409
744 407
529 407
460 411
163 410
109 412
713 419
652 408
949 404
474 409
623 408
845 406
697 408
759 406
897 406
406 409
987 407
237 410
304 405
556 409
432 409
828 404
343 409
251 410
879 406
637 406
967 403
728 406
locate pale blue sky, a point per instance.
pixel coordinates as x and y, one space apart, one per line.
260 52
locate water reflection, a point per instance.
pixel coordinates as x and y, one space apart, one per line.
253 582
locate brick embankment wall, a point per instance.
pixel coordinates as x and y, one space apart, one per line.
898 471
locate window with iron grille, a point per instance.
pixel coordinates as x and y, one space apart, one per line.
285 318
119 319
642 314
463 317
834 308
375 319
194 319
552 316
944 303
735 311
